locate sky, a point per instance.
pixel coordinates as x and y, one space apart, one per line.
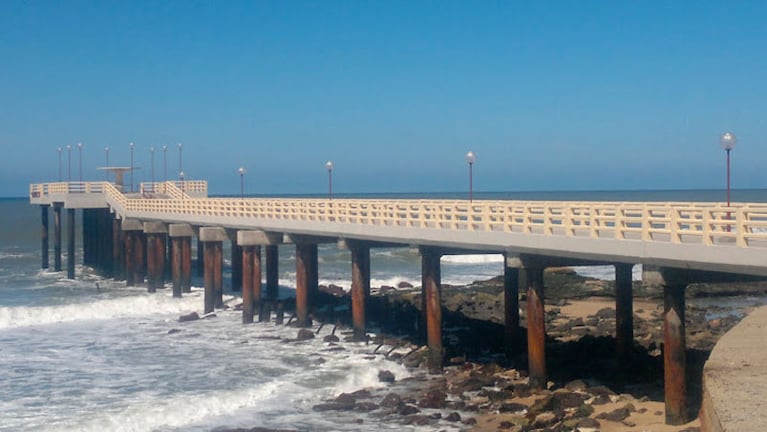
550 95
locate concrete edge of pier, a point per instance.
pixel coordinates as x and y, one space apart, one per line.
735 379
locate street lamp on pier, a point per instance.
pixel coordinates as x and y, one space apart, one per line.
131 165
69 162
242 171
727 141
80 151
59 149
164 163
151 151
181 176
470 159
106 158
329 166
180 158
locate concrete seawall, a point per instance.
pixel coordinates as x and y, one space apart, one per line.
735 379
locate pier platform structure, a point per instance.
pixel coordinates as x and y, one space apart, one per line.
144 235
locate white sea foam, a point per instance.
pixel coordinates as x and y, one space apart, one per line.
473 259
607 272
161 303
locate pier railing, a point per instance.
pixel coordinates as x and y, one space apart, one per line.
741 224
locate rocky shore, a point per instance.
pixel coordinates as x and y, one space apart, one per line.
483 389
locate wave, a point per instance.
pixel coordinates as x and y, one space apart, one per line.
139 305
473 259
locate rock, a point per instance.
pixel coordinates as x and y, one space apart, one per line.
333 406
346 398
588 425
513 407
174 331
190 317
453 417
564 400
616 415
386 289
332 289
362 394
418 420
385 376
469 421
305 334
576 385
391 400
365 406
715 324
331 338
433 399
404 284
544 419
691 429
605 313
408 409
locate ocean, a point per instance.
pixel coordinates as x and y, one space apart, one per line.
91 354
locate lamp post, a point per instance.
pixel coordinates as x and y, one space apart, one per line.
80 151
69 162
242 171
181 176
727 141
180 159
106 158
59 149
164 163
470 159
131 165
329 166
151 151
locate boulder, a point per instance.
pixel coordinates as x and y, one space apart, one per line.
391 400
305 334
385 376
194 316
433 399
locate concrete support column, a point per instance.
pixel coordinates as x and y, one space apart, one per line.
181 257
511 305
105 257
272 272
70 243
674 354
139 256
200 257
251 283
118 251
132 230
212 239
536 328
87 235
360 253
44 235
303 281
155 248
431 286
57 237
624 314
236 260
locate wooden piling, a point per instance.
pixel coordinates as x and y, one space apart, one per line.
44 236
536 328
674 354
624 314
360 290
432 295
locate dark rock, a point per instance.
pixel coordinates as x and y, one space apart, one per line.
391 400
333 406
576 385
513 407
564 400
404 284
616 415
691 429
345 398
605 313
305 334
453 417
469 421
332 289
386 289
589 422
433 399
173 331
418 420
331 338
362 394
385 376
190 317
365 406
408 409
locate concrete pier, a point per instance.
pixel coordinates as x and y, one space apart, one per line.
674 354
213 239
360 290
236 260
536 327
431 287
624 314
272 272
181 257
155 250
70 243
133 233
305 254
200 257
251 242
44 236
118 250
57 237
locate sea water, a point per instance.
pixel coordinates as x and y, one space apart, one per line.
91 354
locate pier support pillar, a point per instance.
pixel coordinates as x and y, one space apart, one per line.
118 250
181 257
272 272
213 239
70 243
44 235
674 354
155 249
251 242
511 305
57 237
536 328
431 287
105 241
306 281
133 232
624 314
236 259
200 257
87 233
360 291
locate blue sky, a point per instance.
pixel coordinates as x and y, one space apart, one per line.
550 95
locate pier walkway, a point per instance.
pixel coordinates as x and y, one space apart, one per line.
126 235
